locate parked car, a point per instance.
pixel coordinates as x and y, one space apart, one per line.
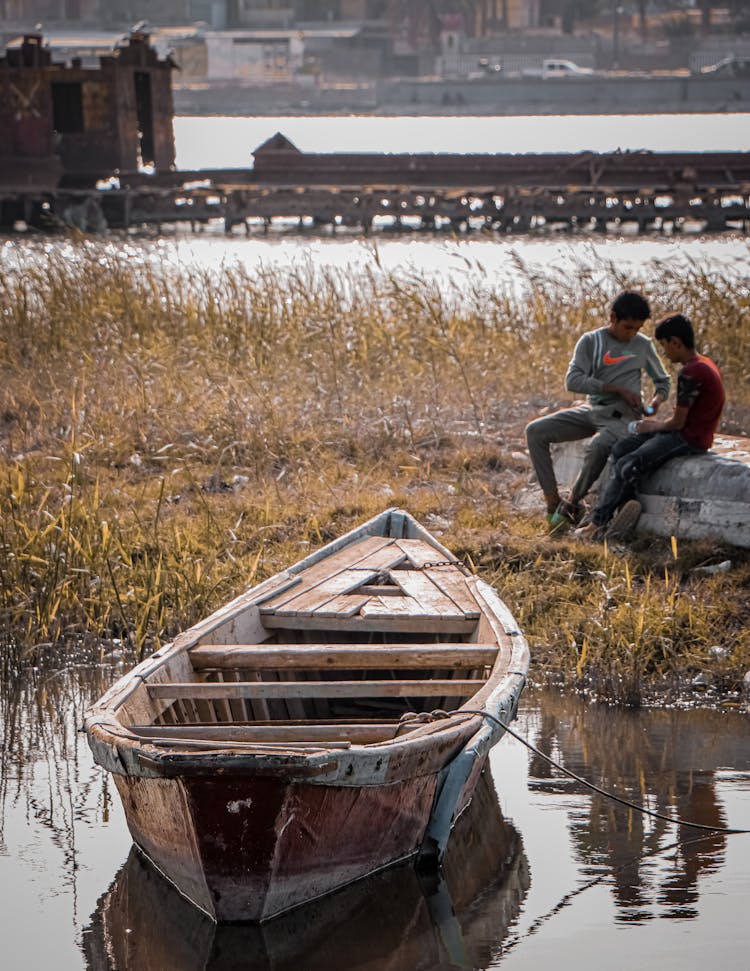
728 67
557 68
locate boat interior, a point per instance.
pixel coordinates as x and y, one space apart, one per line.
357 648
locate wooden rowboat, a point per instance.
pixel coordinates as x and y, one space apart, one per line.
322 726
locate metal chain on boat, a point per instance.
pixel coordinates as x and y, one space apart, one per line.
429 564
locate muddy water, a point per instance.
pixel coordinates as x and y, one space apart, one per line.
541 871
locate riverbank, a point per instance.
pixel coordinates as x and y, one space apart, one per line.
169 437
600 94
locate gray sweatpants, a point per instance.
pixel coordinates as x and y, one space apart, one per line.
603 425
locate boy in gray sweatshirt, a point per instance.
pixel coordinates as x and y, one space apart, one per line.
607 366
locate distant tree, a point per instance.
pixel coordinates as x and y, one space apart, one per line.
739 12
424 18
570 12
705 8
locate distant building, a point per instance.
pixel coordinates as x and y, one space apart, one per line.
522 13
80 123
261 56
50 10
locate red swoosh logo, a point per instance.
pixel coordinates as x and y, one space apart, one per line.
608 359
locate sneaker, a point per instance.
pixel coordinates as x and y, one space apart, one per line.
566 515
572 511
557 523
624 523
590 533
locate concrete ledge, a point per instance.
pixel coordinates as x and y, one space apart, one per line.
700 497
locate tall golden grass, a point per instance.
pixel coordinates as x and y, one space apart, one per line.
168 436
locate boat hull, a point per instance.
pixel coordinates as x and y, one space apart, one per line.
396 916
249 848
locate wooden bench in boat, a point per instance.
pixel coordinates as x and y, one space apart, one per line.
344 657
361 733
267 690
377 584
233 688
260 657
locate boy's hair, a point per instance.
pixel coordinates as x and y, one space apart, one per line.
630 305
675 325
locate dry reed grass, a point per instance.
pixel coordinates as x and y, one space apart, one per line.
167 438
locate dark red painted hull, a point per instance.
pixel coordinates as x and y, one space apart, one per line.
248 848
394 919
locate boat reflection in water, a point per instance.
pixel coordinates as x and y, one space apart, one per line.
396 916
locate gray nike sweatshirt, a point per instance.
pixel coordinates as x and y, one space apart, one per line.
599 359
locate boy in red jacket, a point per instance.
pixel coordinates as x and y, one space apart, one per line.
690 430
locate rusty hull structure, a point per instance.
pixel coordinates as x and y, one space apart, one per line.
321 727
66 125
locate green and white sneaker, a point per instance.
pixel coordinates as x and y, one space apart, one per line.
566 515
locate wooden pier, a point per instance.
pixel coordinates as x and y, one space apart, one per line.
648 191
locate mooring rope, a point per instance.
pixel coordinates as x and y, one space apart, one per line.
591 785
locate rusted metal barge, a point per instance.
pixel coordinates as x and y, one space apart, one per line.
81 140
292 190
324 725
69 124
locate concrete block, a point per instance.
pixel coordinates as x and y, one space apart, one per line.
697 497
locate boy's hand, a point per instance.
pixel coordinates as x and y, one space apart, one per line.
655 404
633 399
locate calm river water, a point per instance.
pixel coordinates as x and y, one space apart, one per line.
544 873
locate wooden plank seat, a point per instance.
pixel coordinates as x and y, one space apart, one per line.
388 622
315 689
370 555
359 733
377 584
451 656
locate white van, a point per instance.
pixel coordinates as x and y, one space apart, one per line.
557 68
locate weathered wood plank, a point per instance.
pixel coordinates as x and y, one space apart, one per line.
344 559
419 585
380 590
418 552
363 734
331 588
317 689
454 585
347 605
302 656
344 581
333 597
387 623
403 606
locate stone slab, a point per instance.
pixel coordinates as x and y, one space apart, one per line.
698 497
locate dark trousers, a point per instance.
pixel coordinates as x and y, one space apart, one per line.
632 457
